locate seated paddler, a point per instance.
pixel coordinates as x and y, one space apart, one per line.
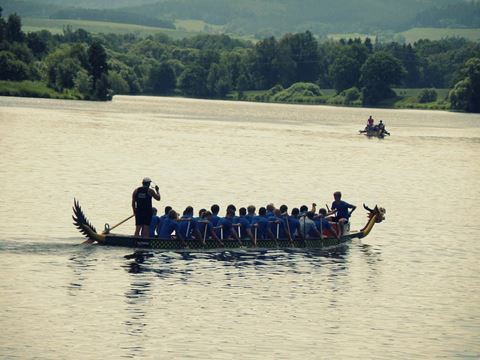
308 229
323 224
261 226
153 230
188 225
243 226
294 224
225 230
170 226
206 229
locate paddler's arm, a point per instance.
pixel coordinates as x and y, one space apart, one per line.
155 194
353 209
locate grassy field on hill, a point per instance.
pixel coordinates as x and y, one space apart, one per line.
56 27
189 28
416 34
185 28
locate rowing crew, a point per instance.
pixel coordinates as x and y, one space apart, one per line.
269 223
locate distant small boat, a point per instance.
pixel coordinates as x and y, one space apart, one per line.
375 215
374 133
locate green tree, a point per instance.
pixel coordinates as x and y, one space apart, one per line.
102 88
36 44
380 71
303 51
83 82
3 27
162 79
344 73
11 68
117 83
218 82
97 59
466 93
13 29
66 71
264 69
193 81
63 64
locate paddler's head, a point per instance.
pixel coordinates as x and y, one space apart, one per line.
146 181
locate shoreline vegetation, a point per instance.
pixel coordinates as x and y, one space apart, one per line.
405 98
297 68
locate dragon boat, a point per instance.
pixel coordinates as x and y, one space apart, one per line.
324 243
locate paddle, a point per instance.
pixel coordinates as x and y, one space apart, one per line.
108 228
288 229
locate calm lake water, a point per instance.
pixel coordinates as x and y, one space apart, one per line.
410 290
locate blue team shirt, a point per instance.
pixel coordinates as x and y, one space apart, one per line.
215 219
168 226
294 225
342 209
244 225
277 223
226 223
184 225
325 224
250 218
262 227
153 225
204 225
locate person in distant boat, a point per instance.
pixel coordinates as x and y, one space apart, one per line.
342 210
154 223
370 123
142 206
381 128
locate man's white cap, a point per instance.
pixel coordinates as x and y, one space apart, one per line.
146 180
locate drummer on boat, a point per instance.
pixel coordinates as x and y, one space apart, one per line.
142 206
342 211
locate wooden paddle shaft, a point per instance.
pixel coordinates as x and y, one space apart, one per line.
121 222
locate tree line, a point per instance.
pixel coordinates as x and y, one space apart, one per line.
212 66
